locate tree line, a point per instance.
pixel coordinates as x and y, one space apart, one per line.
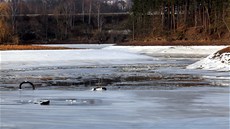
174 18
159 19
63 24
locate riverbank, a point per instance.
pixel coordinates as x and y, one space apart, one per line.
174 43
51 46
30 47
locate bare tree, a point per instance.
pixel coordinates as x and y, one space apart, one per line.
14 11
6 35
98 16
83 11
90 11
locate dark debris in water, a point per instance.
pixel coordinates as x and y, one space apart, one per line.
116 77
122 82
55 102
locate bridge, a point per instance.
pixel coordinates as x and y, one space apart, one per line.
75 14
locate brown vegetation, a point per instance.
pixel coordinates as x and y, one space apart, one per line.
225 50
47 21
29 47
5 32
176 20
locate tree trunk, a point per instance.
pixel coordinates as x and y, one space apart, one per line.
169 16
185 11
195 14
98 17
90 11
173 17
83 11
224 16
14 9
163 16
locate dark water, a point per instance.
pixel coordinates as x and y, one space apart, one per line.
166 73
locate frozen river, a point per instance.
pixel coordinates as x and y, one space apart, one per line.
185 108
147 88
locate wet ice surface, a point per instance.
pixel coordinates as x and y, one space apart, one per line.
199 108
145 90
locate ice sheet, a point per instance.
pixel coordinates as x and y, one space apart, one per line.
190 108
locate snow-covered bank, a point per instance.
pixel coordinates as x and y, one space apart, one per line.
213 62
201 50
81 46
216 61
109 54
41 58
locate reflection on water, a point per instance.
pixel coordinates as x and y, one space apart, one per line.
163 109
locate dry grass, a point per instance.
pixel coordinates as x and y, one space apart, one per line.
29 47
220 52
225 50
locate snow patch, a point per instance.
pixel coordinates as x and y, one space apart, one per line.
216 61
194 50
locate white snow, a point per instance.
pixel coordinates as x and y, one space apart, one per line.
201 50
31 58
213 62
81 46
109 54
220 63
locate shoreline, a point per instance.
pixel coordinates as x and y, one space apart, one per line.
30 47
40 46
174 43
